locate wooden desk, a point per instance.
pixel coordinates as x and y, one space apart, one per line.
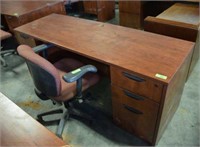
20 12
185 13
181 21
142 102
20 129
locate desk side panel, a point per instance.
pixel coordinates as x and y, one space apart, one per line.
171 98
131 14
106 10
90 7
196 52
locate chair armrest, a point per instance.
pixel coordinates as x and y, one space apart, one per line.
78 73
42 47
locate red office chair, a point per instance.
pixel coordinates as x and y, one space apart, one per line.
61 82
5 35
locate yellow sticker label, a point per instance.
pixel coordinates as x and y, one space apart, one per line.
76 71
15 14
161 76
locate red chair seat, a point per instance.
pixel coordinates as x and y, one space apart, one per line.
68 90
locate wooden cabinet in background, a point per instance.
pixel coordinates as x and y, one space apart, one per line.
182 21
105 10
18 13
132 13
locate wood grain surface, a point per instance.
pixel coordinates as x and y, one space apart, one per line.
134 50
17 128
186 13
138 54
21 7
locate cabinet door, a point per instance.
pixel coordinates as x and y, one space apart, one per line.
134 113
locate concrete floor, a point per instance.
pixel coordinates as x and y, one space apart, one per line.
183 130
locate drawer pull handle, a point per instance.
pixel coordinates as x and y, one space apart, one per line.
134 96
133 110
133 77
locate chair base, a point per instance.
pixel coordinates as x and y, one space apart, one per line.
66 114
5 53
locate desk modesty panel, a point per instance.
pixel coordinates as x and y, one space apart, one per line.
148 71
20 129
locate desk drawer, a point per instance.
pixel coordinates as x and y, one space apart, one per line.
136 116
136 84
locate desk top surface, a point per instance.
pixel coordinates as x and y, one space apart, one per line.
20 129
186 13
134 50
21 7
